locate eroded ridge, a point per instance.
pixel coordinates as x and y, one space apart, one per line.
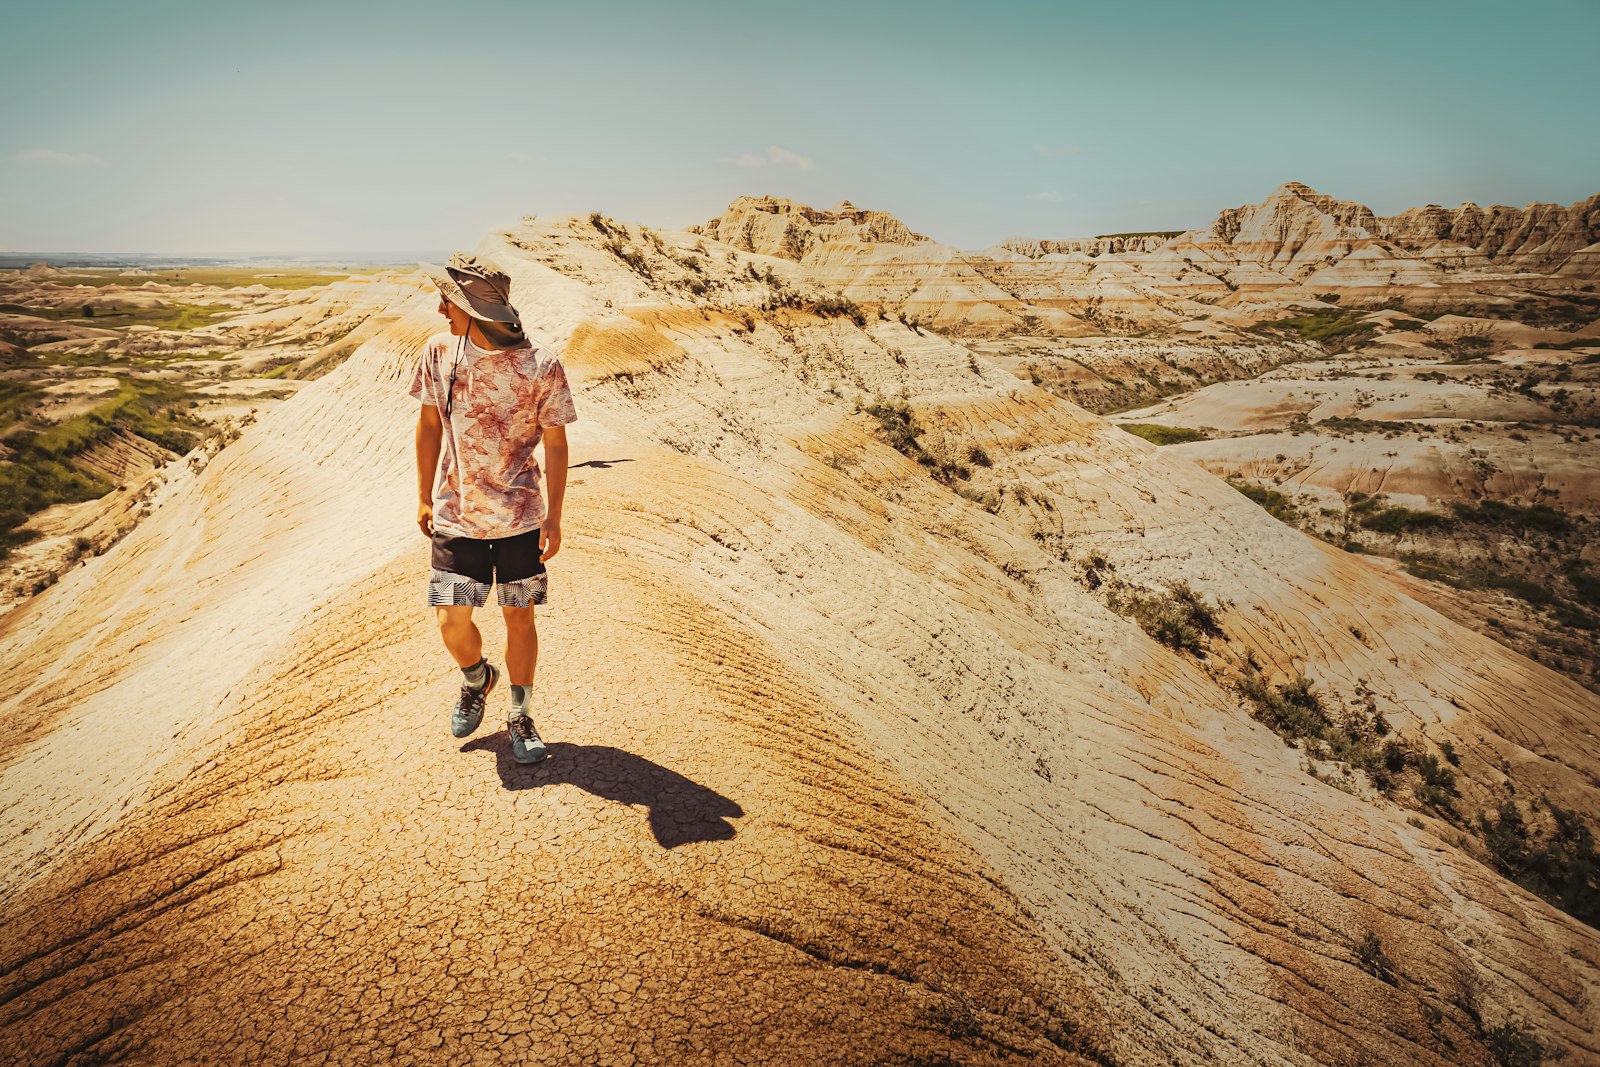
849 762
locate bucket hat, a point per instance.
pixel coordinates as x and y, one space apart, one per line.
475 287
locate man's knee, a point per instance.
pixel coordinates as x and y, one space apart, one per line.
454 618
519 620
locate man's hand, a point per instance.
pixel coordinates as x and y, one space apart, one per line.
425 519
549 538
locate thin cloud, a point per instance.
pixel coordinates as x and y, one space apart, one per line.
775 157
1058 150
51 157
1046 198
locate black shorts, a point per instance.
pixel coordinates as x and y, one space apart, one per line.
464 568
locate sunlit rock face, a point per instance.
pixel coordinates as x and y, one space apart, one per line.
1297 244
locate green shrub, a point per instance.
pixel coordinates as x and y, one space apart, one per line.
1163 435
1397 520
1557 863
899 426
1291 709
1179 618
1329 327
840 306
1276 504
1540 517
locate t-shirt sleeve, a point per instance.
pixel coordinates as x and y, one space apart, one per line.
555 401
421 380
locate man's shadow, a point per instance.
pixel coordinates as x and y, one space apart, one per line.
681 810
600 464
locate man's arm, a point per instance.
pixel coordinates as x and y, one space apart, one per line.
555 473
430 431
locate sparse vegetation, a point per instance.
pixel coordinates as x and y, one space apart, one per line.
1357 737
1438 783
630 255
1513 1044
1556 862
902 432
1333 329
1276 504
1371 956
1535 517
40 473
1468 344
1343 424
171 316
1398 520
1291 709
832 305
1178 617
1157 434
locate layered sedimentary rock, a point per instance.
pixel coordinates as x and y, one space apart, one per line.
1296 245
779 227
851 760
1539 237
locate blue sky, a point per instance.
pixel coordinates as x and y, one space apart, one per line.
179 127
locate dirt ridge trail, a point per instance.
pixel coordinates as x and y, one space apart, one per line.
707 865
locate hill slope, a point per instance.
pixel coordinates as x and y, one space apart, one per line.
853 758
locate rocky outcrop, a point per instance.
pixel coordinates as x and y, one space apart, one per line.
1035 248
775 226
1298 236
1295 246
1292 234
1538 237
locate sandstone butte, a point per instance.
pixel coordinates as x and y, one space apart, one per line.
1296 245
845 767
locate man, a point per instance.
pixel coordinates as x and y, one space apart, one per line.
488 397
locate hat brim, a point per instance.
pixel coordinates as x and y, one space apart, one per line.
487 310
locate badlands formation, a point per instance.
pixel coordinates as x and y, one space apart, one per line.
120 374
902 709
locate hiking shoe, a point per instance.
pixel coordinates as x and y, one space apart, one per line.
468 712
526 745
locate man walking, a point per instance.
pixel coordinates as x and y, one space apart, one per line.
488 398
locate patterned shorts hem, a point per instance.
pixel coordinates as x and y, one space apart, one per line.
457 590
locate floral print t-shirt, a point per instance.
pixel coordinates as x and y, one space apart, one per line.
487 485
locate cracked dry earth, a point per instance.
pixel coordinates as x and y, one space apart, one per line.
845 767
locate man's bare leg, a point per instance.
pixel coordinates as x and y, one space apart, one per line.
460 635
522 645
522 657
465 643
